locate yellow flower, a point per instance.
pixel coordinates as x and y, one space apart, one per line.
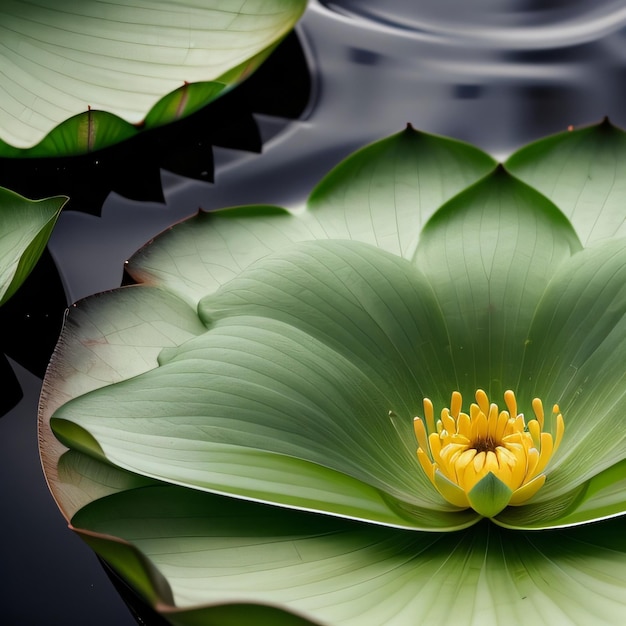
487 459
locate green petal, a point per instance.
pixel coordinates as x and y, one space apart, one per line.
197 256
381 195
489 254
214 552
293 384
575 356
584 173
106 338
600 498
25 227
384 193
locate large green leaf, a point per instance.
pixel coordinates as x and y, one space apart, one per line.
307 340
157 61
25 227
332 571
281 332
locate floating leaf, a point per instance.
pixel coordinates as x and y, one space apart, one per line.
63 59
25 227
273 431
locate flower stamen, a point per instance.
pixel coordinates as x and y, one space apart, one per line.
486 459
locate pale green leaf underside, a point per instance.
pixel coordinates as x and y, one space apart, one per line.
61 57
584 173
214 550
25 227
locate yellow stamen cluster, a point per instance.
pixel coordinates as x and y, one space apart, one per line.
460 450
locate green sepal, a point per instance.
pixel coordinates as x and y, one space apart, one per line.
451 491
489 495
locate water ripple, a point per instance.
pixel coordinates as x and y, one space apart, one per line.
493 24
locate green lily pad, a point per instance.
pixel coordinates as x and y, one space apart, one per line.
252 401
81 76
332 571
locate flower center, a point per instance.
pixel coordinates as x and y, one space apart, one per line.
486 459
484 445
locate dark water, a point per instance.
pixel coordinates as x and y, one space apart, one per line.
495 73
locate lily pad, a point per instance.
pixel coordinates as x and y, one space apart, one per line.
82 76
248 406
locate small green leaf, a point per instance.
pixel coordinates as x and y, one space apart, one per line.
182 102
81 134
25 227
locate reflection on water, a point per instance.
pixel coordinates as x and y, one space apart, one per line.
494 24
493 72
